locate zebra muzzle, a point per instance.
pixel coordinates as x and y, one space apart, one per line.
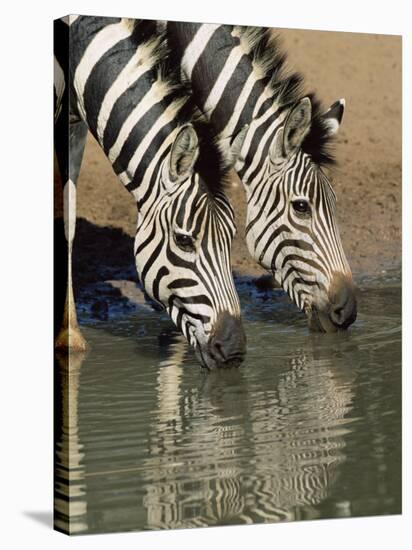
341 309
227 344
343 304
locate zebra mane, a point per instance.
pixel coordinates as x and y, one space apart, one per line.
211 163
269 62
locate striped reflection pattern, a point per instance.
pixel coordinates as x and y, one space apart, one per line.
238 77
297 448
118 82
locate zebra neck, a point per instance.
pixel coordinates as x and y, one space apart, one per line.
228 87
127 102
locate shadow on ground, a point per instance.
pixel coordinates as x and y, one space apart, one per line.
104 274
100 254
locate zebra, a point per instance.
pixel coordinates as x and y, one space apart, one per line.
237 75
114 78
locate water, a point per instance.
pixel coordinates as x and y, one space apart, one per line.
309 426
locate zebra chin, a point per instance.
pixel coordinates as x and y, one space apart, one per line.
339 311
226 345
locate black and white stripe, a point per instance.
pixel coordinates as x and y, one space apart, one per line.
125 91
239 83
296 450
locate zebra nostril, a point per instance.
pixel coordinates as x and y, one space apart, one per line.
337 314
217 351
226 354
343 312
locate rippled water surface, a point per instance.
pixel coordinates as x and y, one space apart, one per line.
308 427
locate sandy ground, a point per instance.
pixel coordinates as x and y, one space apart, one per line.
366 71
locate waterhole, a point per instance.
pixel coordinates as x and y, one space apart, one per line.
308 427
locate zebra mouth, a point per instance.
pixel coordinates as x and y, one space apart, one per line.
320 321
230 362
224 347
210 361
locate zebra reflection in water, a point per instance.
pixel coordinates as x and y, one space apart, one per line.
293 437
137 451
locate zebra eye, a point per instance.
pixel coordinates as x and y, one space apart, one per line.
185 242
301 206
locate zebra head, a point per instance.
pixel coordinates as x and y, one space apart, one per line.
292 227
182 248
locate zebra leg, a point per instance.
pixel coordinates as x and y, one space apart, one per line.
69 337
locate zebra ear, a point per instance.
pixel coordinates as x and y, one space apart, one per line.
276 152
235 148
296 126
333 117
183 155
